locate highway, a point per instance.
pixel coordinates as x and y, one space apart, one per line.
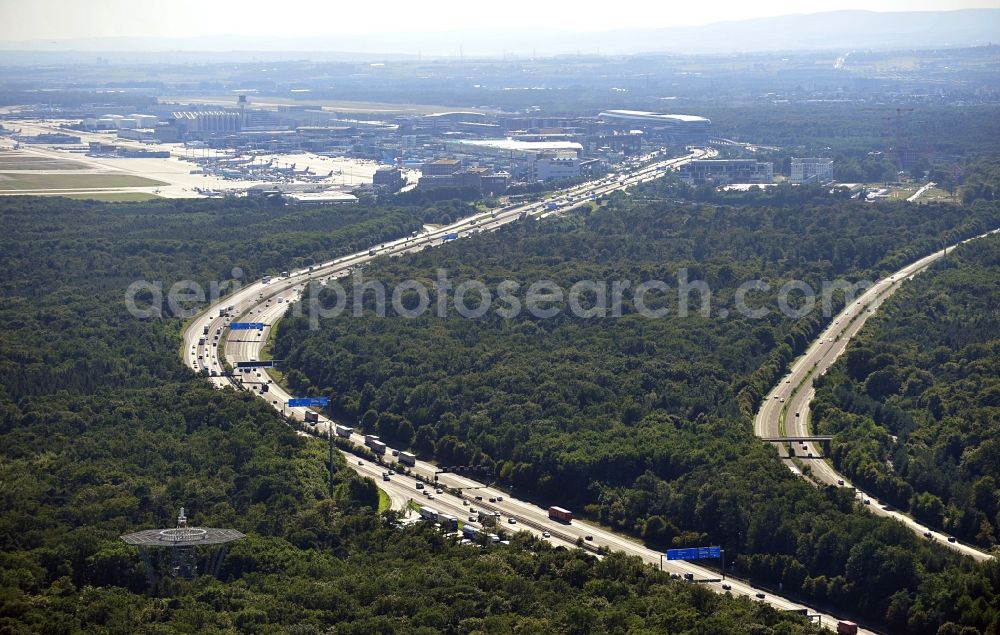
267 302
785 410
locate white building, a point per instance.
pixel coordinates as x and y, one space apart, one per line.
557 165
811 170
525 159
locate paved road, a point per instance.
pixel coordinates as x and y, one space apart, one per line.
920 192
785 410
259 302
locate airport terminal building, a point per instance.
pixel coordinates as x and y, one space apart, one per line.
677 129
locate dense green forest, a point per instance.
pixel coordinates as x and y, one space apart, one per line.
105 432
915 402
644 423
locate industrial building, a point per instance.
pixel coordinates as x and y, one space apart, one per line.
811 170
677 129
450 173
388 179
725 171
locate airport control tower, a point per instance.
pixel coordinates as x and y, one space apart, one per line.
183 542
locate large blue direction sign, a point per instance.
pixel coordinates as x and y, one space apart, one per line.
308 402
694 553
246 326
267 363
451 236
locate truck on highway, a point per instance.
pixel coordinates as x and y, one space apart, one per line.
266 279
201 341
470 532
847 628
560 514
372 252
428 513
311 416
370 438
378 447
204 331
408 458
343 431
449 523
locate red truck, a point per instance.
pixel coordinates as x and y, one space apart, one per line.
847 628
560 514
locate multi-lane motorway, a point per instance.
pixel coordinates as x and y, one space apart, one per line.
785 410
267 302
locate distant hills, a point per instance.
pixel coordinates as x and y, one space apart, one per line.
838 30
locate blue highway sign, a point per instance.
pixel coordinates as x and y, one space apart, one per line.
246 326
268 363
694 553
308 402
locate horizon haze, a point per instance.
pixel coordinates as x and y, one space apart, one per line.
153 28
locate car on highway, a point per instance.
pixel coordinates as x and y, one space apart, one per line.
588 537
867 502
951 539
439 491
511 521
499 499
759 596
361 462
472 518
727 587
546 534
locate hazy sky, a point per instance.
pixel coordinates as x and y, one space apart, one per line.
62 19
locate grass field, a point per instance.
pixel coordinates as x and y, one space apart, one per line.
903 192
12 181
937 195
19 161
384 502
